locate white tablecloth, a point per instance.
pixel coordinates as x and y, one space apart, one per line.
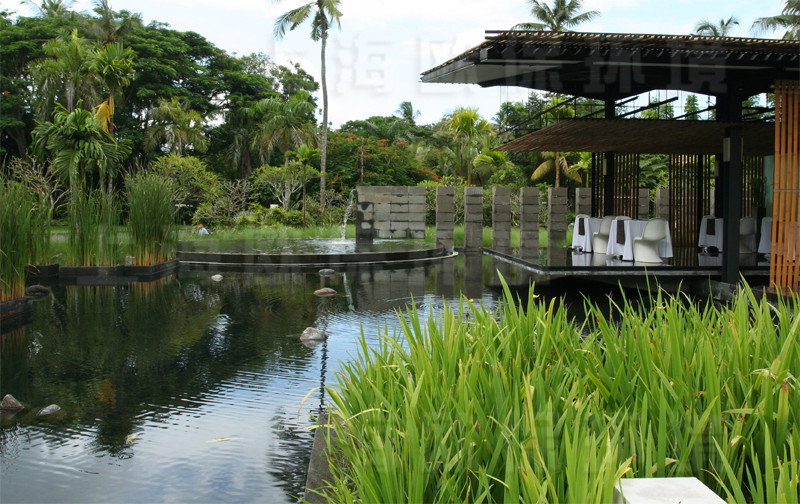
706 239
634 228
710 233
765 243
584 241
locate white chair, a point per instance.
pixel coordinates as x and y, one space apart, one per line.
747 235
645 247
600 238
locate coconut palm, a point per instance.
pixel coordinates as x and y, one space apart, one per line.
285 125
109 26
469 130
556 161
561 16
323 14
788 19
51 8
175 126
407 113
722 29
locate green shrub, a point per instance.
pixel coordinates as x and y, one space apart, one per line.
527 405
193 183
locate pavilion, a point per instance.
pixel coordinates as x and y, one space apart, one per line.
614 67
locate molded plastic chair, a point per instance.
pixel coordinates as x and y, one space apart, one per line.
645 247
747 232
600 238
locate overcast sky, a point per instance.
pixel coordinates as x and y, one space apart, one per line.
374 62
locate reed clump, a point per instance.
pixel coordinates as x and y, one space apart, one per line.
24 235
93 219
151 218
527 405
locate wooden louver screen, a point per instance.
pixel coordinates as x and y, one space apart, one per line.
689 202
785 256
626 185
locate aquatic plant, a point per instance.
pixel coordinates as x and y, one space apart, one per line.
24 235
93 241
151 218
527 405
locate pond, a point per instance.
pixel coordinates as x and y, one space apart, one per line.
187 389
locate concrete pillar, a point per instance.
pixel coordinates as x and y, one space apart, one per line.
473 219
445 217
365 214
529 223
556 215
662 203
416 213
501 219
643 208
583 200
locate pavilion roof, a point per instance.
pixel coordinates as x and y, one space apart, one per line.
613 66
642 136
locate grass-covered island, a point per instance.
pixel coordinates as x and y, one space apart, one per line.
527 405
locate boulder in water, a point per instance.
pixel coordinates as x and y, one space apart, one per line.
37 291
49 410
217 277
313 334
326 272
10 404
325 291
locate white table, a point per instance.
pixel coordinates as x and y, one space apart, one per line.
765 243
710 233
584 241
716 239
632 229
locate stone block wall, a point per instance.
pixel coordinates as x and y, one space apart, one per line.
501 219
445 217
390 212
643 207
473 218
557 214
583 200
662 203
529 223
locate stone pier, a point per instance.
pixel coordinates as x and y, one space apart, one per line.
473 219
643 208
556 215
529 223
583 201
662 203
501 219
390 212
445 217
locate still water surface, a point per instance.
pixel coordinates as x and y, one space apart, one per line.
188 389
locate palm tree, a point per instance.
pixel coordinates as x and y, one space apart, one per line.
110 26
407 113
323 14
175 126
556 161
113 64
285 125
709 29
789 18
469 130
562 16
489 162
304 155
52 8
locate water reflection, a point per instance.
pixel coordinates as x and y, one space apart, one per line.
190 389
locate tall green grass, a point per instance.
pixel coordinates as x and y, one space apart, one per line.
528 405
24 236
151 218
93 217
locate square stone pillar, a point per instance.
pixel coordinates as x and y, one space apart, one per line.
445 217
583 200
529 223
365 214
662 203
556 215
416 213
643 208
473 219
501 219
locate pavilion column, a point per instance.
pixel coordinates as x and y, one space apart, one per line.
608 166
729 109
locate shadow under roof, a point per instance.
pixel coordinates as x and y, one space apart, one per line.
642 136
613 66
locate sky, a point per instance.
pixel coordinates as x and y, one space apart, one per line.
374 62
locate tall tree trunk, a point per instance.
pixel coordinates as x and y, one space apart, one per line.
323 151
